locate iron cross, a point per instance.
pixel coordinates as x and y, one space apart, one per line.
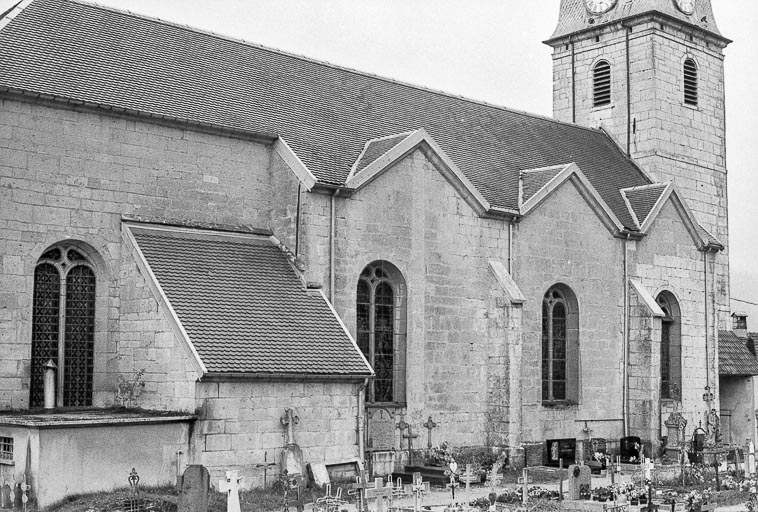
429 425
410 436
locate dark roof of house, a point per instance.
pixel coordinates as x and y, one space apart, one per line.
643 200
735 356
326 114
244 307
575 17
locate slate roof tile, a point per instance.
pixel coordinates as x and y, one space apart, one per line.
532 181
244 307
735 358
325 113
643 200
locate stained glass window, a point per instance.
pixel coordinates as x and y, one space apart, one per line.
377 331
671 369
63 326
557 351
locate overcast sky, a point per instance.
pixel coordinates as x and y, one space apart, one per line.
489 50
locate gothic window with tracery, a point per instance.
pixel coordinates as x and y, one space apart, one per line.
560 346
380 330
63 326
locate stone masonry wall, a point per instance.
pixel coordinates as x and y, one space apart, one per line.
148 344
668 260
563 241
412 217
239 425
69 175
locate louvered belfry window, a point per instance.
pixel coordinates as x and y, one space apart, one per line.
63 326
690 82
601 84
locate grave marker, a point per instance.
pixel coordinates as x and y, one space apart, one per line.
134 498
380 493
524 480
419 487
429 425
750 457
359 491
193 496
381 430
453 485
319 473
24 490
231 487
410 436
580 482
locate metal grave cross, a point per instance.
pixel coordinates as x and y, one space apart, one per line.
380 493
429 425
525 480
453 485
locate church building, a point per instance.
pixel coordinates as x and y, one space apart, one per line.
212 250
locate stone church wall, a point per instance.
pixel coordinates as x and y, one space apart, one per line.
563 241
667 259
239 425
457 330
71 175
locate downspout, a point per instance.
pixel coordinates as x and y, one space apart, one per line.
705 301
628 95
573 81
332 231
510 248
361 418
297 220
625 381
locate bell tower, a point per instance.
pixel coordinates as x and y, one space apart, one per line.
651 73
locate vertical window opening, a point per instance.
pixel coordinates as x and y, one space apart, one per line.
690 82
560 348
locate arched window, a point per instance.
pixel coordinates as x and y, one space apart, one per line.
63 325
601 84
690 82
560 346
671 347
381 329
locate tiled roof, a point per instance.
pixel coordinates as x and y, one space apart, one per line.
326 114
532 181
643 199
735 358
574 16
243 306
378 147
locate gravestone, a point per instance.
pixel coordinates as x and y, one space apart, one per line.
558 449
579 482
319 474
193 496
381 494
629 449
292 455
381 426
750 457
231 487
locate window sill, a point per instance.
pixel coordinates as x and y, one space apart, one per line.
7 462
386 405
559 404
691 107
600 108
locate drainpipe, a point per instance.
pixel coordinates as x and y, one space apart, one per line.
625 382
297 220
510 247
361 418
332 231
705 301
573 80
628 96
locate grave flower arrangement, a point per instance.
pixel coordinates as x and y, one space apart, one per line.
697 499
440 455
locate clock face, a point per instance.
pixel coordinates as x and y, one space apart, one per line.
599 6
686 6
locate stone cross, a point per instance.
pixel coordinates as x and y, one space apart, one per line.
410 436
647 468
418 489
380 493
289 420
429 425
468 477
231 487
361 484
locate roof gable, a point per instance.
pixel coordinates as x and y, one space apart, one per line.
242 306
735 358
70 50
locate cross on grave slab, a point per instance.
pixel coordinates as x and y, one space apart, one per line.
468 477
231 486
410 436
429 425
525 480
419 487
359 491
380 493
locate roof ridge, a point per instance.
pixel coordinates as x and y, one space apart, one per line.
645 187
10 14
333 65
